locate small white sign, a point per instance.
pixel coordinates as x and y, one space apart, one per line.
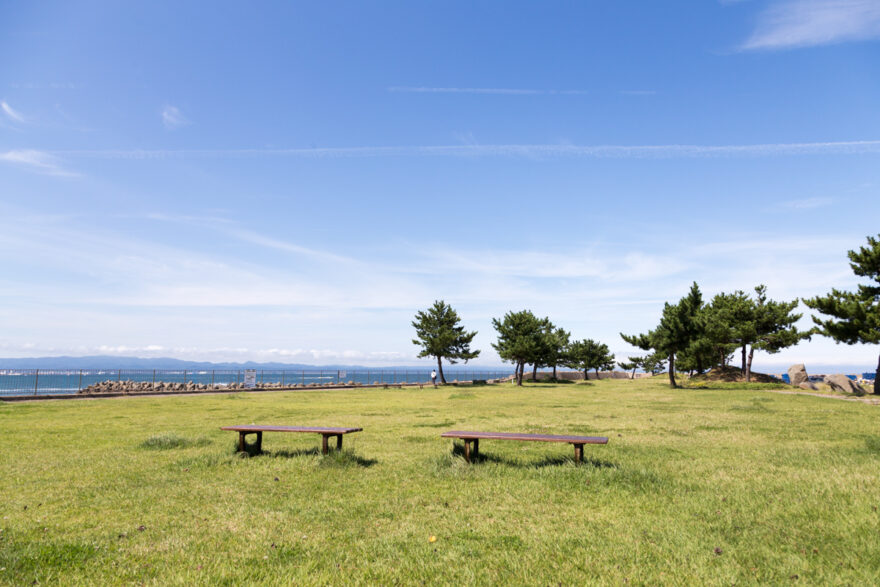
250 378
341 375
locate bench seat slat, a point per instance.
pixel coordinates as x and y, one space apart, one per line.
467 434
272 428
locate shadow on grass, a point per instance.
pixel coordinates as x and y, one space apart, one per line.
169 440
335 458
548 461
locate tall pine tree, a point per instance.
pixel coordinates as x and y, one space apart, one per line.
520 339
441 336
676 331
854 317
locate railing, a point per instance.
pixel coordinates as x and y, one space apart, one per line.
18 382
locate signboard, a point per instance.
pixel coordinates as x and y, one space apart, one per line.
340 375
250 378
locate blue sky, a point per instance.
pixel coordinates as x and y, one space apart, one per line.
292 181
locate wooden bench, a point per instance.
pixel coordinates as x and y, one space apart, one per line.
475 437
325 431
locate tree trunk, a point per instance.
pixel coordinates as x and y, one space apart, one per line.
586 374
535 372
749 365
519 373
744 358
633 375
877 378
554 372
597 374
440 371
672 370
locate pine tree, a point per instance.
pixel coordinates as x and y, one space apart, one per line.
554 347
520 339
774 326
441 336
676 331
584 355
631 365
854 317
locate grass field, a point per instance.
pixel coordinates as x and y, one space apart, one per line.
714 486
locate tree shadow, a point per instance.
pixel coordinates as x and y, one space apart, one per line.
548 461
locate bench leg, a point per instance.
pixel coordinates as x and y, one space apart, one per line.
259 442
467 450
241 444
578 453
476 447
338 442
324 449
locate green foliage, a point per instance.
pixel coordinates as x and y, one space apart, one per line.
552 351
695 336
521 339
584 355
441 336
678 329
854 316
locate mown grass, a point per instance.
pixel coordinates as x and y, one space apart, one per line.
696 486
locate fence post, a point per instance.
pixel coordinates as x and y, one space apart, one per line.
184 376
80 386
212 378
282 378
118 375
303 377
36 380
154 379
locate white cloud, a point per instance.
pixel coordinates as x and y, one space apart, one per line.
534 151
102 286
37 161
807 203
13 115
173 118
806 23
502 91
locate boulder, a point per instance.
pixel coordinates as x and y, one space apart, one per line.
797 374
808 385
843 383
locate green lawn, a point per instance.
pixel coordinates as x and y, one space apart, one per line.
714 486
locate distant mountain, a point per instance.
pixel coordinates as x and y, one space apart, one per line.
113 362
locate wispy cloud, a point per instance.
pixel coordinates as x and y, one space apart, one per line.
142 294
502 91
529 151
36 161
173 118
806 23
807 203
12 114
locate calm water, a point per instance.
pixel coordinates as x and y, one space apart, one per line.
60 381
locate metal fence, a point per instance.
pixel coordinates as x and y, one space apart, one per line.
17 382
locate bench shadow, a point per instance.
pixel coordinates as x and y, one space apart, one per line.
336 457
548 461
